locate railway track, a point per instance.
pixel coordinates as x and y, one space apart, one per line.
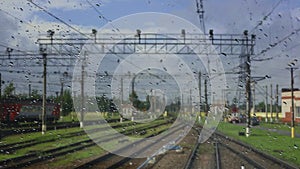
230 153
30 128
217 156
36 157
112 161
9 148
166 159
222 151
192 156
246 156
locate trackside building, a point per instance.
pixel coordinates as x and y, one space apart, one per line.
286 103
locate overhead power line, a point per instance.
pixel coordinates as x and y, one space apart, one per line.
266 16
271 46
102 16
57 18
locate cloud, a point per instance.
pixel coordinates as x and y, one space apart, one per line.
232 16
65 5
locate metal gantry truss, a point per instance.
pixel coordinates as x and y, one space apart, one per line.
63 50
150 43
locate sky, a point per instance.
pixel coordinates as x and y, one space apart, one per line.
22 23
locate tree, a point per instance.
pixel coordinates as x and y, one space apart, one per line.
8 91
105 104
35 94
260 107
67 103
138 104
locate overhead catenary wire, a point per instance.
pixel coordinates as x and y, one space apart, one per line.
271 46
73 28
267 15
17 18
102 16
78 30
57 18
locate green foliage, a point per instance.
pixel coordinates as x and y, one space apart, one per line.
105 104
67 103
138 104
35 94
260 107
8 91
173 107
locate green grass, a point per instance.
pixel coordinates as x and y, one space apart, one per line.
277 126
73 116
69 118
280 146
157 130
95 151
60 135
38 136
45 146
69 159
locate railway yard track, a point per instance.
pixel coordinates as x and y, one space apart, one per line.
36 127
219 152
110 160
245 155
36 157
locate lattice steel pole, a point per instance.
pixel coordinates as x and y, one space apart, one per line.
44 127
248 84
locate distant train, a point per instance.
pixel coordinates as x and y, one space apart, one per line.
13 110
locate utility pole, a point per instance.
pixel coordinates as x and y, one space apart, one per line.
253 97
266 104
154 101
44 127
199 85
29 90
248 83
292 109
0 86
62 83
248 95
200 12
182 103
292 68
190 101
82 91
271 104
132 86
121 100
61 96
277 102
206 97
44 53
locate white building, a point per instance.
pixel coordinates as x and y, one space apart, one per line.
286 103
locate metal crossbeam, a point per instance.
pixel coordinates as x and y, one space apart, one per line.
228 44
63 50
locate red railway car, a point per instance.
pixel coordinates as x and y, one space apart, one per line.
27 110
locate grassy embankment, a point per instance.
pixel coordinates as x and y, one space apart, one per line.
268 141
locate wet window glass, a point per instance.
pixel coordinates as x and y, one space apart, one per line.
149 84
